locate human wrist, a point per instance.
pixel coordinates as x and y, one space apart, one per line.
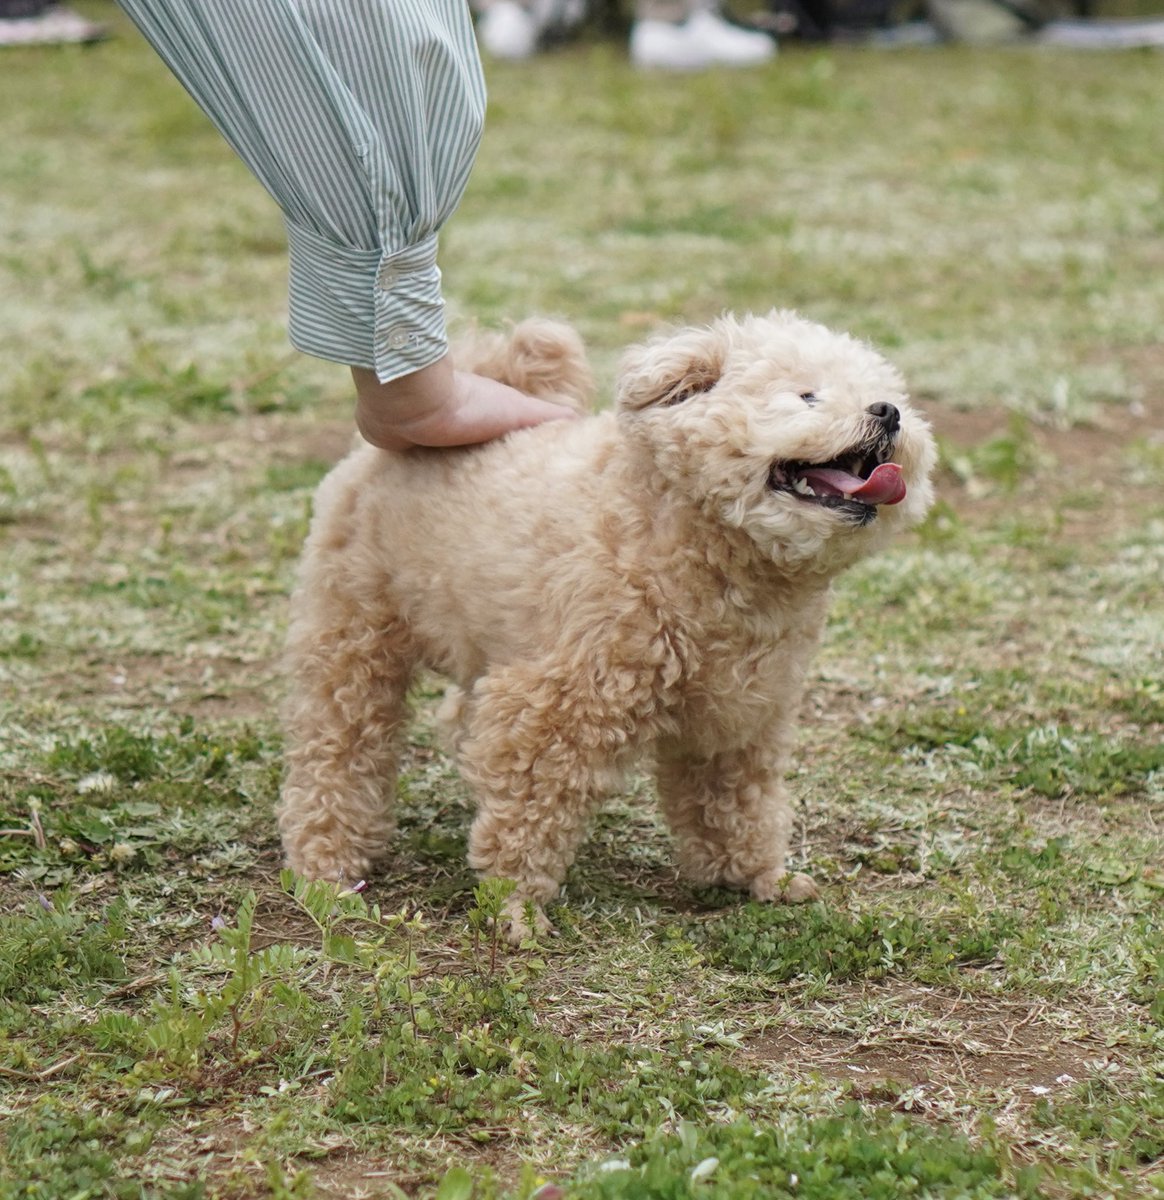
386 411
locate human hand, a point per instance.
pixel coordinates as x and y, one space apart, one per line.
440 406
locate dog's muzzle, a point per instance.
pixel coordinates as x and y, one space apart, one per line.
857 481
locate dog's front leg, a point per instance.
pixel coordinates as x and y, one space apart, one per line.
732 821
531 767
541 740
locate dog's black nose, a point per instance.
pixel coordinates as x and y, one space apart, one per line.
887 414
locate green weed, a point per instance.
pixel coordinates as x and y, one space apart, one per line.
1007 461
847 1157
50 948
296 476
1049 759
124 798
24 645
53 1150
1119 1119
129 757
821 943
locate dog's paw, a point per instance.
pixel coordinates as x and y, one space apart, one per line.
784 887
522 920
320 860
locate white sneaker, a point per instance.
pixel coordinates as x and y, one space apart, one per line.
52 27
703 40
728 44
507 30
665 45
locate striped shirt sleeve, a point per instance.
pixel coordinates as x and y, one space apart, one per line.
362 119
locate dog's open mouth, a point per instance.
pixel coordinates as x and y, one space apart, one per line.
856 482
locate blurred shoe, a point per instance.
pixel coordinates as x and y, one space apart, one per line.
976 22
507 30
703 40
729 44
54 26
666 45
1118 33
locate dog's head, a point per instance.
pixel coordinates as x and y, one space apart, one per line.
800 437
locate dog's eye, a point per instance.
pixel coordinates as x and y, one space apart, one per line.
808 397
691 385
679 395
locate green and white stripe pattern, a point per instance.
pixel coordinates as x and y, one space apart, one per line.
362 119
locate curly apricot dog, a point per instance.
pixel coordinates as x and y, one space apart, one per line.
645 583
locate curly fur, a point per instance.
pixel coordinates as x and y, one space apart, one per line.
621 587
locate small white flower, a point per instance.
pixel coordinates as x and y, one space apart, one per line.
122 852
1039 1090
99 781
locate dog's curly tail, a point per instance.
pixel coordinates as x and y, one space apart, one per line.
540 357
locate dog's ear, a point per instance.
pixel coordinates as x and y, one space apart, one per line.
670 370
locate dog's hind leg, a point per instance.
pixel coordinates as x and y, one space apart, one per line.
351 661
732 822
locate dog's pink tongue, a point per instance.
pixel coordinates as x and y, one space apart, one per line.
884 486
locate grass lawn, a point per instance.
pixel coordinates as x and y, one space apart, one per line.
977 1007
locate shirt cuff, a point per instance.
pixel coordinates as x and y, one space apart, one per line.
377 309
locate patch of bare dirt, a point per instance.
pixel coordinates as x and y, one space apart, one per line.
1068 463
277 438
222 688
935 1039
370 1176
